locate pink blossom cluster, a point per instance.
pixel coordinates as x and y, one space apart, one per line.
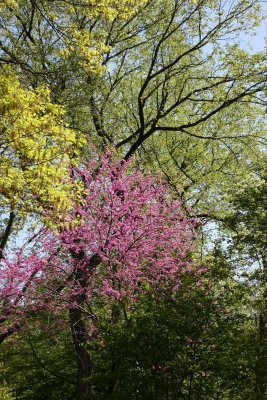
127 238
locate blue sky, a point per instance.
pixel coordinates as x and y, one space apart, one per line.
257 42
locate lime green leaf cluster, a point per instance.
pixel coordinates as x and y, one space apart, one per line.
8 3
35 149
69 21
90 47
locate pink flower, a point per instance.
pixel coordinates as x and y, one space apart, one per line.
131 242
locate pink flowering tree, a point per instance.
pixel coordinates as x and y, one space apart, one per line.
127 240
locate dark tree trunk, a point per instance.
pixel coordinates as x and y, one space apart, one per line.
114 381
83 387
6 234
79 330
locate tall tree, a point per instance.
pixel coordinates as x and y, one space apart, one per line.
175 85
184 94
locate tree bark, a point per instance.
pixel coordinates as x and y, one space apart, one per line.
6 234
83 386
79 331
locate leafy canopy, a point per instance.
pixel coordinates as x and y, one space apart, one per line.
68 22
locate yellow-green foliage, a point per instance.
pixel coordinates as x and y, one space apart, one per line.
70 20
89 48
35 149
8 3
5 391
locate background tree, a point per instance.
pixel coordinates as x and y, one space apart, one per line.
248 222
177 86
177 91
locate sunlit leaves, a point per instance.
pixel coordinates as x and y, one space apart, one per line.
68 22
36 149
